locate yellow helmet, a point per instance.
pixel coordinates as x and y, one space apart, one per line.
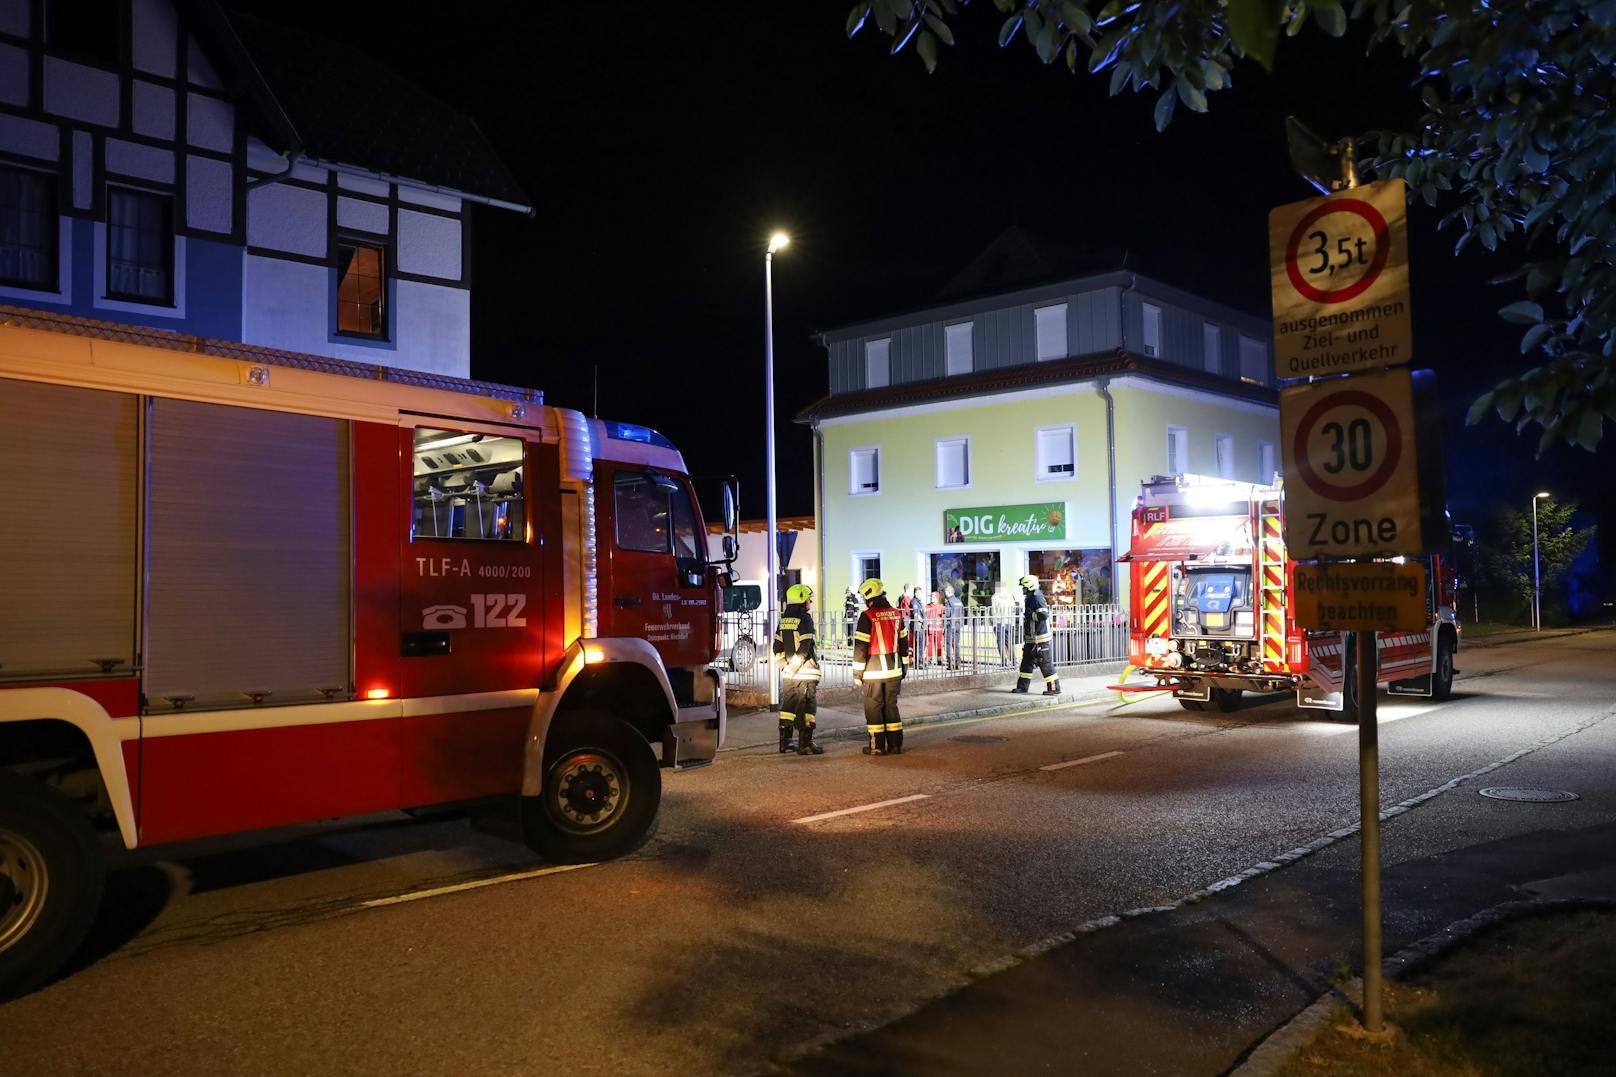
1029 582
870 588
798 592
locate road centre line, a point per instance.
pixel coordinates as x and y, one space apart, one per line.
475 884
1080 762
862 808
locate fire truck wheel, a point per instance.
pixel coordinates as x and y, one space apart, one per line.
1442 677
602 786
1226 699
50 882
1193 704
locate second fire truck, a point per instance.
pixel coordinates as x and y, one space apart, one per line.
1212 616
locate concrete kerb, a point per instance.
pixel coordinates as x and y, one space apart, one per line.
1276 1050
1528 636
1029 703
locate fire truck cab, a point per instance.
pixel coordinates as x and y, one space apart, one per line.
1211 615
256 588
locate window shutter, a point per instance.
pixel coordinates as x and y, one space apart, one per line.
1050 323
1152 333
957 341
1253 361
877 363
1212 348
953 464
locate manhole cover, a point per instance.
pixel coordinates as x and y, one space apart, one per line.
979 738
1530 796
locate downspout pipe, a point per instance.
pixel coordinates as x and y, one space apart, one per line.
1103 387
819 514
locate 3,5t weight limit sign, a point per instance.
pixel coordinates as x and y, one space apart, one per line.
1351 481
1339 269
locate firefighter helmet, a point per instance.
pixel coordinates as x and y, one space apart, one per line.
870 588
799 592
1029 582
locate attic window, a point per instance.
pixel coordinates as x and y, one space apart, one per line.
84 30
361 289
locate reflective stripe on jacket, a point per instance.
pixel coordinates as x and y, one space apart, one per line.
880 642
794 642
1035 619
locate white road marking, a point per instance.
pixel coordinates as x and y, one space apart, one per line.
475 884
1080 762
861 807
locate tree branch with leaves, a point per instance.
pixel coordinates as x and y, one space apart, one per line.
1516 141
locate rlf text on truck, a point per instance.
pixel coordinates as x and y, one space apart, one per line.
258 588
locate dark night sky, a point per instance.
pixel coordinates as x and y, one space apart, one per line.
662 142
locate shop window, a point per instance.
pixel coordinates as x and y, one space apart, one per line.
957 344
140 246
1073 577
1152 333
1212 348
864 471
361 289
1178 450
1224 446
1050 323
877 363
28 224
1268 462
468 486
973 576
1253 361
1057 453
953 463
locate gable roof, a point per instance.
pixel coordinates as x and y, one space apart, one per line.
326 101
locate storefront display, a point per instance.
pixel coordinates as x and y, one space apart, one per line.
972 575
1073 577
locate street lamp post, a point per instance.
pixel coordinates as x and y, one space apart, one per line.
1537 579
778 241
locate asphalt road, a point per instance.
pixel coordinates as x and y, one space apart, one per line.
746 928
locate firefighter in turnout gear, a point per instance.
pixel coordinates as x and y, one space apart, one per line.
1036 640
794 644
880 652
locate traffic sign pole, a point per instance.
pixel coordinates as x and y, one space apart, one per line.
1369 825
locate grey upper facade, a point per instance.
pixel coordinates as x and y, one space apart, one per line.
1098 313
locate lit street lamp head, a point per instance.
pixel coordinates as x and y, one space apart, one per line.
1544 494
778 241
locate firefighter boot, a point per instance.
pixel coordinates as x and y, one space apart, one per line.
786 727
877 745
1021 685
807 745
1052 688
895 742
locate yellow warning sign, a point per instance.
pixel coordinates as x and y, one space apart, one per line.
1377 596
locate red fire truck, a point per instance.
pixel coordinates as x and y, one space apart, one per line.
1211 613
242 588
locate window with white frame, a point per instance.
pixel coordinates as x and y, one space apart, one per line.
1253 361
1267 462
877 363
1212 348
866 566
1050 323
957 345
1057 453
953 463
1178 450
1152 334
1223 444
864 471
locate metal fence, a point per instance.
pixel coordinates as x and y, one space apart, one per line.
976 642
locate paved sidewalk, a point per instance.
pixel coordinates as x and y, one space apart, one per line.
760 728
1527 635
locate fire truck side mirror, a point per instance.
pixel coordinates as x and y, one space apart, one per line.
731 549
731 496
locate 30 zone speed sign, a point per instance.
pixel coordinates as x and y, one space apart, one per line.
1353 469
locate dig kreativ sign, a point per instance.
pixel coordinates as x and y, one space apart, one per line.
1005 523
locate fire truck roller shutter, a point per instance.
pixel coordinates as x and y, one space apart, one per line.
249 555
67 564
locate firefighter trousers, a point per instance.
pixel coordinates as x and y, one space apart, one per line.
797 702
1036 656
881 719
